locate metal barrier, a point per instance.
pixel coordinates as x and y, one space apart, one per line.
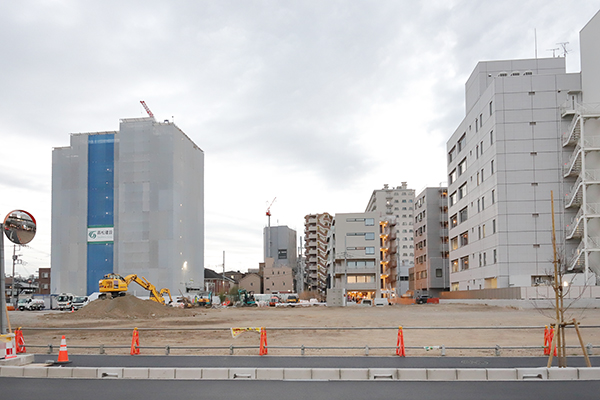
497 349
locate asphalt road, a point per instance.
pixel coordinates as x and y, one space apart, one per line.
84 389
310 362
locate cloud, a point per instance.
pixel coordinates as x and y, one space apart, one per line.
315 103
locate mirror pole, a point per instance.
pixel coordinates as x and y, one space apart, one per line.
4 321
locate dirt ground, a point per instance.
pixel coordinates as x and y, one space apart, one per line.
160 326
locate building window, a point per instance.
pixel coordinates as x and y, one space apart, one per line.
464 238
369 221
452 176
370 236
493 196
454 243
455 265
462 167
369 250
451 155
438 272
495 258
453 199
464 263
463 215
492 167
493 226
484 259
490 108
483 202
453 221
462 142
462 191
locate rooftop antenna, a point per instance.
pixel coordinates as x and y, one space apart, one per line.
564 48
553 51
535 40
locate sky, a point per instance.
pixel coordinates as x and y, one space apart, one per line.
312 103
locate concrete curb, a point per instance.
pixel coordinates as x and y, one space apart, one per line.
304 374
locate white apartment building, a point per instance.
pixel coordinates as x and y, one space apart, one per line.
396 205
504 161
353 255
582 142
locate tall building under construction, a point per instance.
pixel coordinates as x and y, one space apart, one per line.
131 202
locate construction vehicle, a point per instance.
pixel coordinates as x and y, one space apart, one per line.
204 299
114 285
247 298
64 301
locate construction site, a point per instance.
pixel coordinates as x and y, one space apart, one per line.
106 327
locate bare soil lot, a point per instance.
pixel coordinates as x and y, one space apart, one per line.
187 327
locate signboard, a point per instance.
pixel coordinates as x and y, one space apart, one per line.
104 234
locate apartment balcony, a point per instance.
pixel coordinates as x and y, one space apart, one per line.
311 220
367 286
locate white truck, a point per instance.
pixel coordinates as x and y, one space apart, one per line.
30 304
64 301
80 301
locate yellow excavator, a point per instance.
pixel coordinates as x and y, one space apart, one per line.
114 285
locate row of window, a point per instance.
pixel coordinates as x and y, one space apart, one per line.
460 145
367 235
462 264
367 221
360 278
463 238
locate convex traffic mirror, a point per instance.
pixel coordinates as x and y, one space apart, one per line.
19 227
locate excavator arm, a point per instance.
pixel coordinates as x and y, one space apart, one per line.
155 295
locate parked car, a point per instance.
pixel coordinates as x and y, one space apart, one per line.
293 298
421 299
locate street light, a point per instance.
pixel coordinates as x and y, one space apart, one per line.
19 227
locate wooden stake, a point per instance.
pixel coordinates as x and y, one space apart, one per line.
587 359
552 346
8 320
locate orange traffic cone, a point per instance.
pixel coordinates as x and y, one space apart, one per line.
135 342
400 343
63 355
263 342
20 341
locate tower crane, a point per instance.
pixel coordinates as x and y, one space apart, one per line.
269 211
146 108
268 244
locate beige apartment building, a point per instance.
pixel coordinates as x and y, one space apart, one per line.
353 257
316 229
396 205
276 278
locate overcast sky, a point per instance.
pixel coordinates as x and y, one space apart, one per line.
316 103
